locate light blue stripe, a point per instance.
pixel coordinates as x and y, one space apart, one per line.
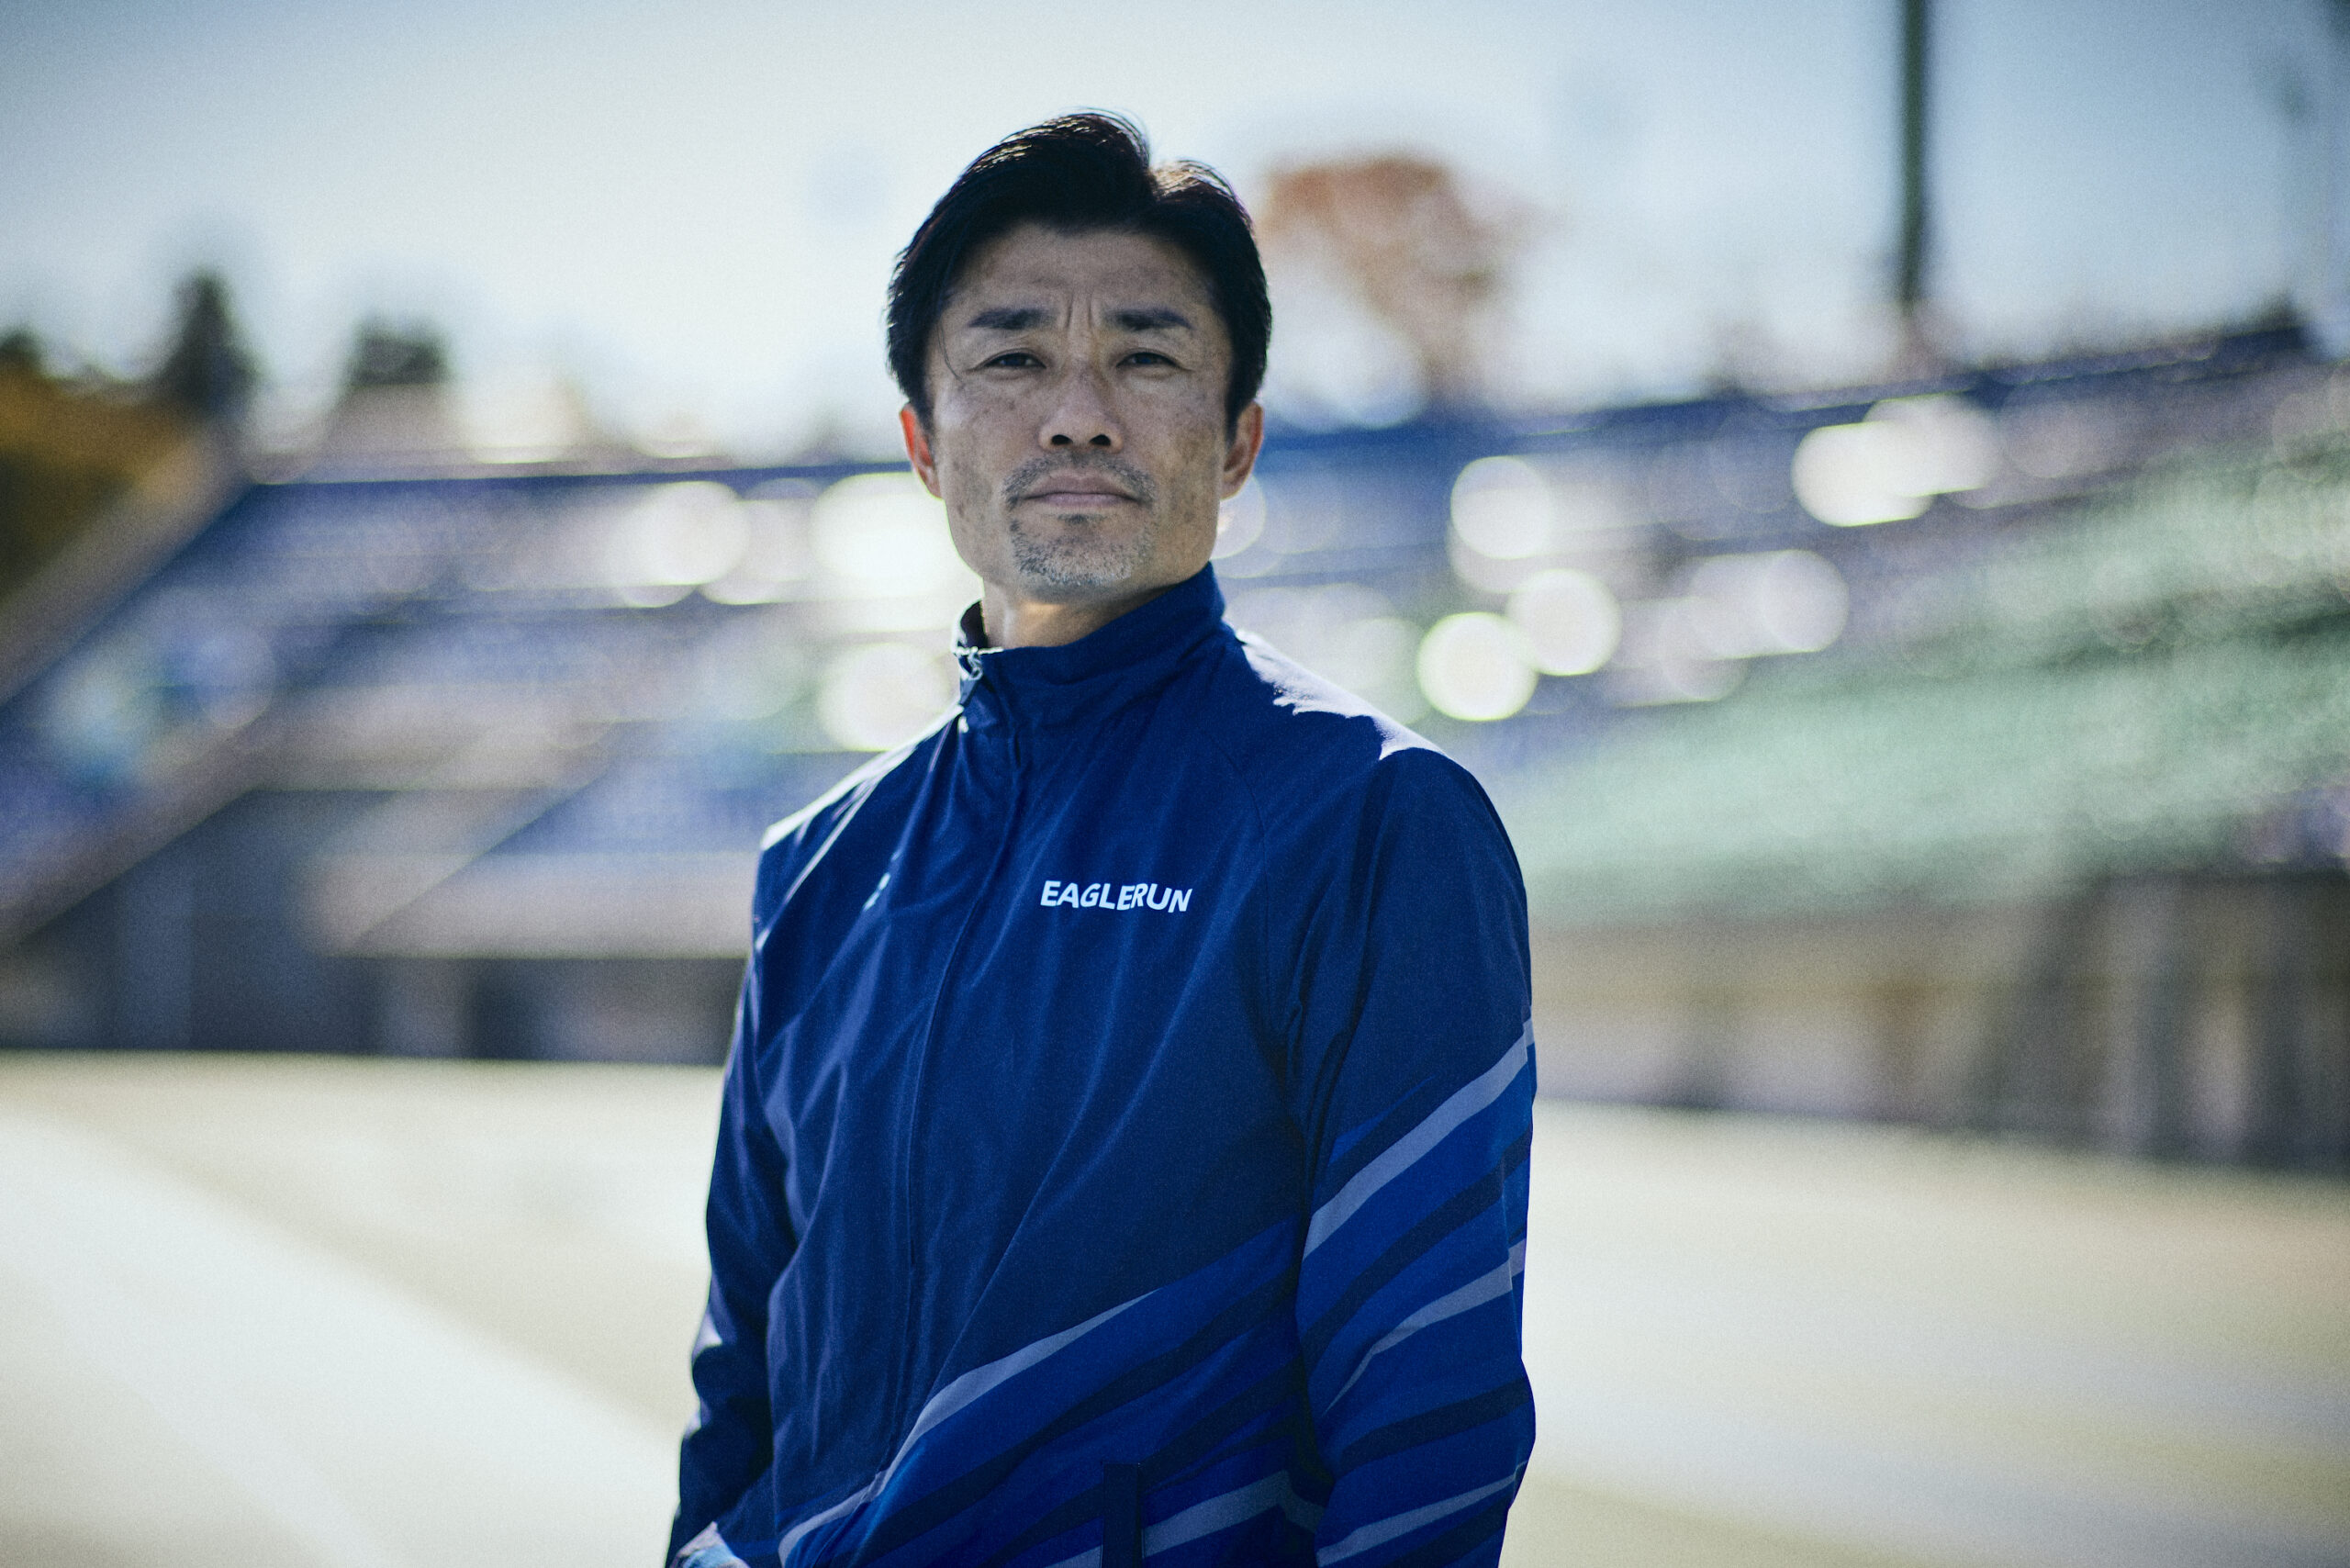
1219 1513
946 1402
979 1380
1216 1513
1489 1286
1409 1149
1387 1529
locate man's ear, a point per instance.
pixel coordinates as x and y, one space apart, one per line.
918 449
1240 452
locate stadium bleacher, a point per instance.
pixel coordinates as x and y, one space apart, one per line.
425 756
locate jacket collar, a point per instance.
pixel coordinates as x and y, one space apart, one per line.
1048 687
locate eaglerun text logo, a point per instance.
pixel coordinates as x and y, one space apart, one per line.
1116 896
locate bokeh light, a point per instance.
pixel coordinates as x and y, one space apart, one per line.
1240 522
880 695
884 534
749 670
1665 657
105 709
1893 463
1475 666
1779 601
1570 621
673 539
777 550
1502 509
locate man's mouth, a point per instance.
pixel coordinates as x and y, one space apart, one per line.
1074 494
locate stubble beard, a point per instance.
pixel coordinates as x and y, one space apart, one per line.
1079 555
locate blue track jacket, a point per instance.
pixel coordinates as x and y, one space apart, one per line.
1123 1151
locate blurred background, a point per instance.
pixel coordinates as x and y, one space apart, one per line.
1865 483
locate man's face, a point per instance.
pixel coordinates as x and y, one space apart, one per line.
1077 430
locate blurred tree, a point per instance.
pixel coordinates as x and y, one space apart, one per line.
394 405
20 351
388 354
208 373
1399 232
69 446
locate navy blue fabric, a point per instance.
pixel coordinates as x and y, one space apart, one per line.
1132 1079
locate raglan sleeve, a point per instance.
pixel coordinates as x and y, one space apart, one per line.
726 1452
1415 1073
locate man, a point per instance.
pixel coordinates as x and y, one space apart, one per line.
1123 1151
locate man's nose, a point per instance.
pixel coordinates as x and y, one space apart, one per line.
1080 416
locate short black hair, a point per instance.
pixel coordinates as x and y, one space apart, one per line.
1082 173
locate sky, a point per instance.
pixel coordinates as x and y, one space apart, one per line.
690 209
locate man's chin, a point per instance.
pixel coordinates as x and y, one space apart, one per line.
1055 574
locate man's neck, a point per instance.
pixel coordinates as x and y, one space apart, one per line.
1012 621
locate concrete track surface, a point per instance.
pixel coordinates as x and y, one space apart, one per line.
433 1316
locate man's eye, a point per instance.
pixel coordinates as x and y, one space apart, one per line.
1017 359
1146 356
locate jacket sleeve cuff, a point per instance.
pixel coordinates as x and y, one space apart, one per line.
708 1549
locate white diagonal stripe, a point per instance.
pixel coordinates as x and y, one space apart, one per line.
1207 1518
1405 1152
1489 1286
1215 1514
944 1402
979 1380
1404 1523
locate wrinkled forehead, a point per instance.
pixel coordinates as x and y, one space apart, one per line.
1032 267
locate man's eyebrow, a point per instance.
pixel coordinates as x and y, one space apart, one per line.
1146 318
1007 318
1133 318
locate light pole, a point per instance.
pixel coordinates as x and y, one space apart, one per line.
1918 351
